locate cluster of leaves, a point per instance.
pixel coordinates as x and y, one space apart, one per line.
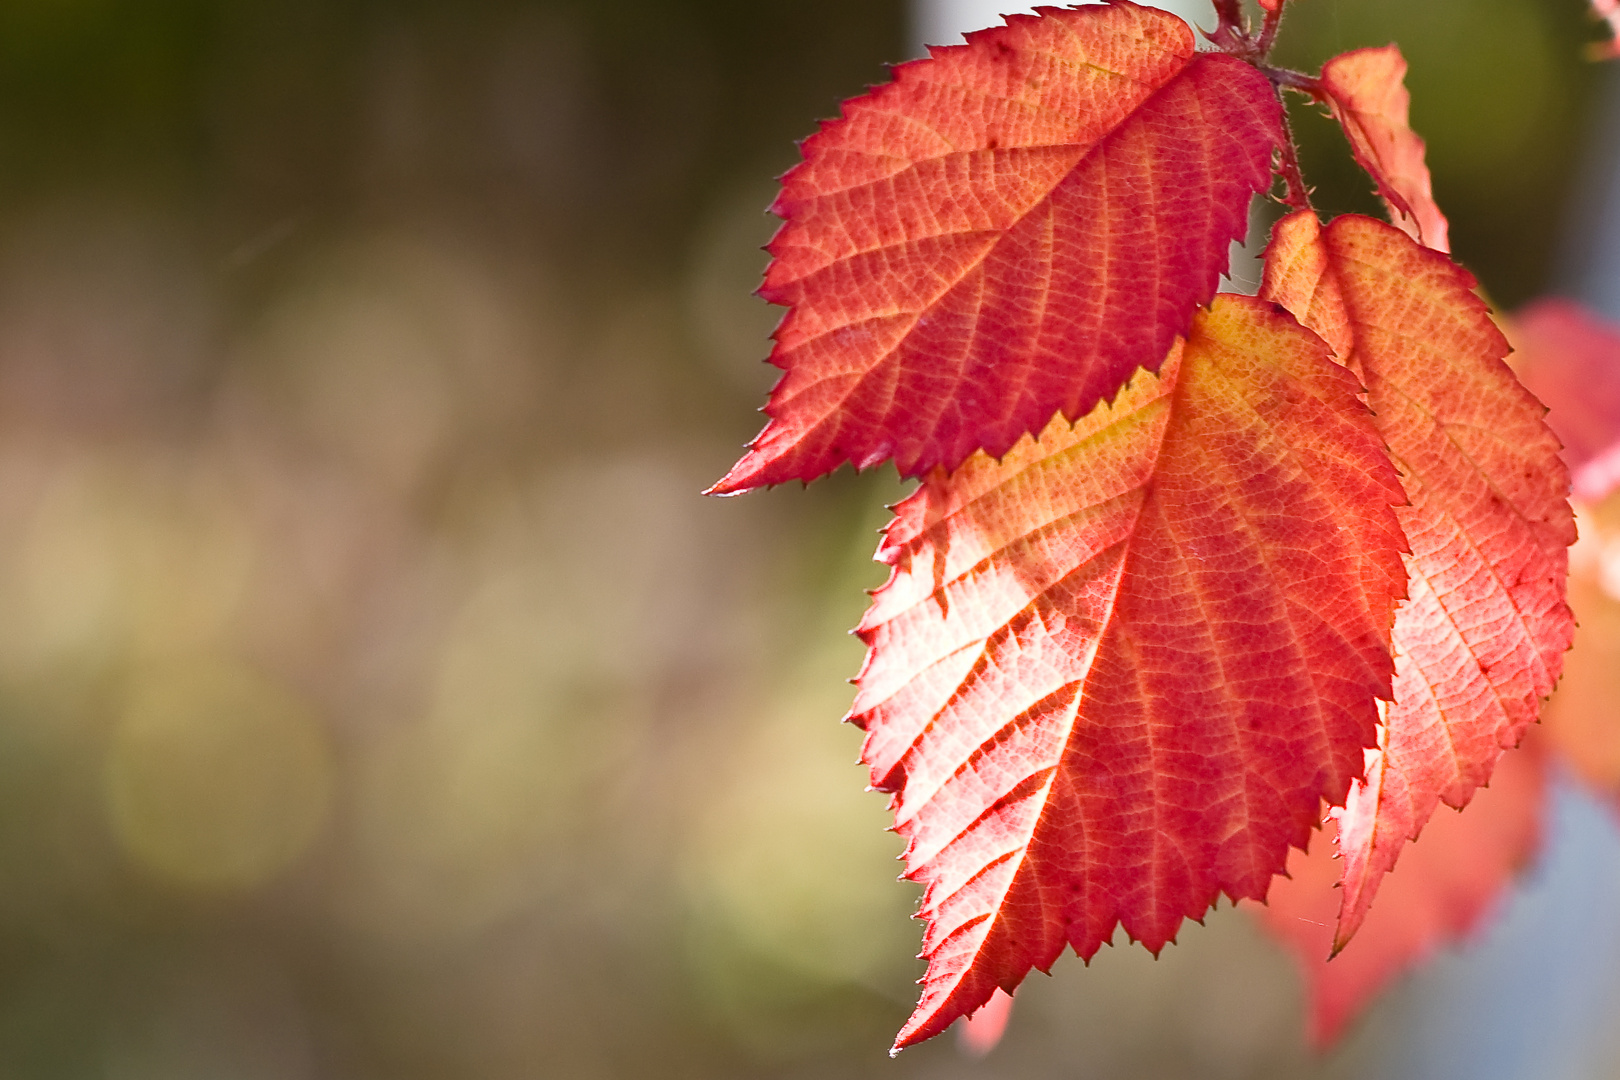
1185 572
1448 884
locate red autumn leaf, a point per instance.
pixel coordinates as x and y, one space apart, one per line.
1570 358
1481 640
1365 91
1442 891
1004 232
1118 668
1112 676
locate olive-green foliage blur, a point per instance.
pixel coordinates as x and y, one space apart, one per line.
377 696
1502 96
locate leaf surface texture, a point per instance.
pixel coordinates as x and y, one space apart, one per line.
1004 232
1480 641
1366 92
1112 676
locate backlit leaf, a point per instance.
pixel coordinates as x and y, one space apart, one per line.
1004 232
1112 675
1481 640
1366 92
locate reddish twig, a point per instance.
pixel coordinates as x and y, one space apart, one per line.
1298 195
1231 33
1268 29
1230 13
1298 80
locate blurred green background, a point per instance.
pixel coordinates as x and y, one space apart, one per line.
378 698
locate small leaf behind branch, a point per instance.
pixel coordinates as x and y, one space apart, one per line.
1366 92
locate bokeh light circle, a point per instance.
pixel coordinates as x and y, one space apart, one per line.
216 777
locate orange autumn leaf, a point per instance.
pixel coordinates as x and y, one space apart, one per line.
1004 232
1481 640
1367 95
1113 675
1444 888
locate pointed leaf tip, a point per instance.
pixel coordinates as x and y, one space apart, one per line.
1444 889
